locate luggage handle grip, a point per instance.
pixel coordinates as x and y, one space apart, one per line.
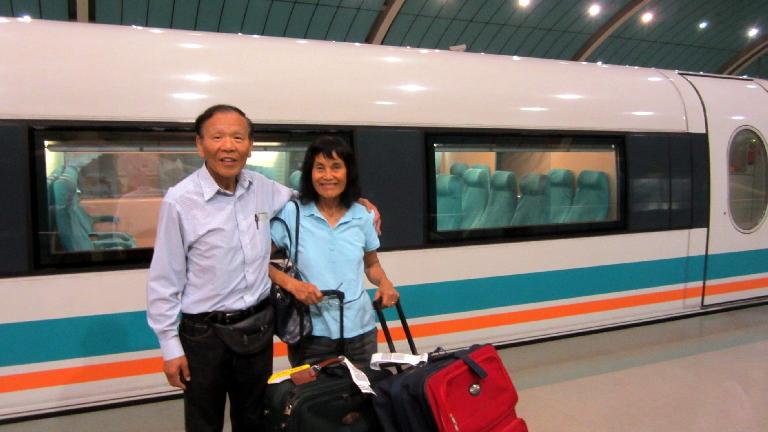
385 328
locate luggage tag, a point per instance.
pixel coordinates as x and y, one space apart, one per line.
309 373
359 378
378 359
286 374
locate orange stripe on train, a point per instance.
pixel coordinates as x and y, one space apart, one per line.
122 369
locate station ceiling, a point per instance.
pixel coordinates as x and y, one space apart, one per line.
710 36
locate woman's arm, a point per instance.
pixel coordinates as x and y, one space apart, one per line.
305 292
375 273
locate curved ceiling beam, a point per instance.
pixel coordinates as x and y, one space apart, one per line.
384 21
608 28
740 61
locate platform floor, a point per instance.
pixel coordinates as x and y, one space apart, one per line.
706 373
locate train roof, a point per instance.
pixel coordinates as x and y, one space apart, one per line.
91 72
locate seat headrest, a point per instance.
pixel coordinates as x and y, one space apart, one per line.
448 185
476 177
481 167
503 180
561 177
534 184
458 168
593 179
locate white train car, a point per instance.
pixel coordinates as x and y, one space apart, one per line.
521 198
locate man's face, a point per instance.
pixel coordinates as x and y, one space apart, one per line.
225 146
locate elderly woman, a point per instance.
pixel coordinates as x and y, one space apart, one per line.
337 243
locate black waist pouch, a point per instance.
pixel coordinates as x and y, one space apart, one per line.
250 335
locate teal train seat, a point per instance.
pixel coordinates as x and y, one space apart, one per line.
75 226
502 201
294 180
475 196
560 194
448 202
458 169
592 199
533 207
481 167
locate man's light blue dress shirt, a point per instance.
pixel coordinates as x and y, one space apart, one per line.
212 250
332 258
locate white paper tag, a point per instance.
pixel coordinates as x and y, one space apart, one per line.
387 358
360 379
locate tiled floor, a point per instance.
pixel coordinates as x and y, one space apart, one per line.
707 373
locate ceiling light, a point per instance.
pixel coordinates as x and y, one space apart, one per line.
156 31
753 32
738 117
25 18
384 103
534 109
190 45
646 17
569 96
189 96
642 113
411 87
201 77
392 59
523 3
703 25
594 10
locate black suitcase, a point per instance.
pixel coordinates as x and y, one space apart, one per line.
332 402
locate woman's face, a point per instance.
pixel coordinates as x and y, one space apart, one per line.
329 176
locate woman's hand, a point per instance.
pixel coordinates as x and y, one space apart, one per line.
387 293
304 292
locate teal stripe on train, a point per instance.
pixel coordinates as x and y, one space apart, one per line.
735 264
67 338
60 339
473 294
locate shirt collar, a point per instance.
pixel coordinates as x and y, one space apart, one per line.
211 188
354 211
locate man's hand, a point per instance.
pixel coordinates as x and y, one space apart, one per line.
376 215
177 372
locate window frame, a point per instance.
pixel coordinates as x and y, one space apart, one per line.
45 261
764 216
525 232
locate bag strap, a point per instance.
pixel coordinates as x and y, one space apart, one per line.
293 243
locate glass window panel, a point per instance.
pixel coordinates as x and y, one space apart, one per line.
103 189
484 183
747 180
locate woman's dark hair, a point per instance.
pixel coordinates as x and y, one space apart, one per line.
327 146
210 112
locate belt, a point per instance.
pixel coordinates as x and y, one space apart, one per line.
226 318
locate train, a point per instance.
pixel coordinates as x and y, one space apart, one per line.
521 198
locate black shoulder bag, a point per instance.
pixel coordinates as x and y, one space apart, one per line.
292 320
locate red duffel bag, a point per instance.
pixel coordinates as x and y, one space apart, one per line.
474 394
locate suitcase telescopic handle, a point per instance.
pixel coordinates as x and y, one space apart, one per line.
339 294
403 322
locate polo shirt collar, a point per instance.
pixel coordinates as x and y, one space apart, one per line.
353 212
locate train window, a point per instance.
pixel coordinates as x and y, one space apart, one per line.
103 189
747 180
546 183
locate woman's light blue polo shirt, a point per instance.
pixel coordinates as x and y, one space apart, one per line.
332 258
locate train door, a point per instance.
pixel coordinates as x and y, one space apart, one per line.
737 128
